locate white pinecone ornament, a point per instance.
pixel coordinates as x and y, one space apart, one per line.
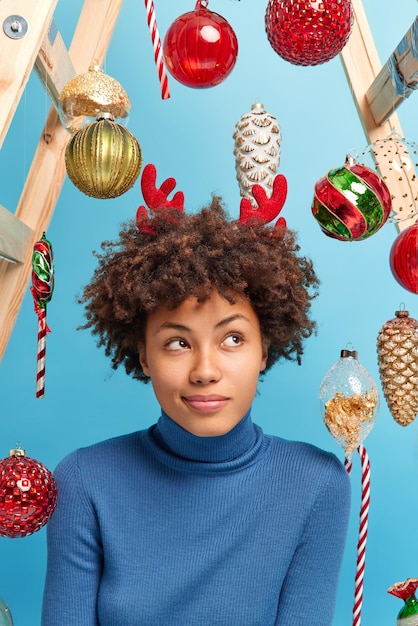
397 348
257 151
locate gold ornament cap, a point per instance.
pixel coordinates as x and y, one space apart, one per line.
17 451
93 93
345 354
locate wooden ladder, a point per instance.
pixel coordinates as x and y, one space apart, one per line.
41 47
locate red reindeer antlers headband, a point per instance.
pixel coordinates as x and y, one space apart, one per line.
156 199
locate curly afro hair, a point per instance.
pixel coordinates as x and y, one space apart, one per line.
190 255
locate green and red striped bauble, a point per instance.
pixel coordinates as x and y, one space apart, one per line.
351 202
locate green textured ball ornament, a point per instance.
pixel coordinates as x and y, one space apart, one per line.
103 159
351 202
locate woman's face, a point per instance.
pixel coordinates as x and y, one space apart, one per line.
204 361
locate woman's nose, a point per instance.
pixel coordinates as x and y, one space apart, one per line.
205 368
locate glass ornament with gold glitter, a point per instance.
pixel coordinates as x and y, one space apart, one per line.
103 159
91 95
349 400
257 151
5 615
397 349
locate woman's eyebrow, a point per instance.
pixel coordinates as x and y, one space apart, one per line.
221 324
174 326
232 318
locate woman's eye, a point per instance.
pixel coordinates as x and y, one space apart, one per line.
233 340
177 344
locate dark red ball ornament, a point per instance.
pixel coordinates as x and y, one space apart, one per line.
28 495
200 48
308 32
404 258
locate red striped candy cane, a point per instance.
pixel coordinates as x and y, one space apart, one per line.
158 54
364 517
42 288
40 369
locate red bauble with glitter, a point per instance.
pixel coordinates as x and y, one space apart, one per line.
308 32
200 48
28 495
404 258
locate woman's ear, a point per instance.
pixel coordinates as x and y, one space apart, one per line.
265 354
143 359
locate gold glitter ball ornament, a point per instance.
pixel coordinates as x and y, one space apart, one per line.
397 349
103 159
93 93
257 151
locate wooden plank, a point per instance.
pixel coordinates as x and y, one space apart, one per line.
397 79
361 64
14 237
17 56
46 175
54 64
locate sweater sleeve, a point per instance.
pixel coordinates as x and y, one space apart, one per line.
74 561
309 591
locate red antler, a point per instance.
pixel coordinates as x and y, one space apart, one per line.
268 208
157 199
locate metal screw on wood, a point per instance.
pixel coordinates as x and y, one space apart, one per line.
15 26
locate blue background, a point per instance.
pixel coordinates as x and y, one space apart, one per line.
189 137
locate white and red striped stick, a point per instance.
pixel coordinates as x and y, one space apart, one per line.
158 54
42 289
40 371
364 517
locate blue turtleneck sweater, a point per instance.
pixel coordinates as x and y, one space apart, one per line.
163 528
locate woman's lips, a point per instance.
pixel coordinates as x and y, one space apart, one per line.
206 404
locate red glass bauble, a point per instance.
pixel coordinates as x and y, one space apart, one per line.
308 32
200 48
351 202
404 258
28 495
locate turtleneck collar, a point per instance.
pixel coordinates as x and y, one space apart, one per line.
237 446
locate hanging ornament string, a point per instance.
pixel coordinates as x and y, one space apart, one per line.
158 54
42 289
364 518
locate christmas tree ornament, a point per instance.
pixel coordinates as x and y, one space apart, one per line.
200 47
397 350
158 52
92 94
28 495
257 150
5 615
403 258
351 202
42 289
399 156
103 159
408 615
308 32
350 402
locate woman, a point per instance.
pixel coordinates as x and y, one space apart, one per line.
202 518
